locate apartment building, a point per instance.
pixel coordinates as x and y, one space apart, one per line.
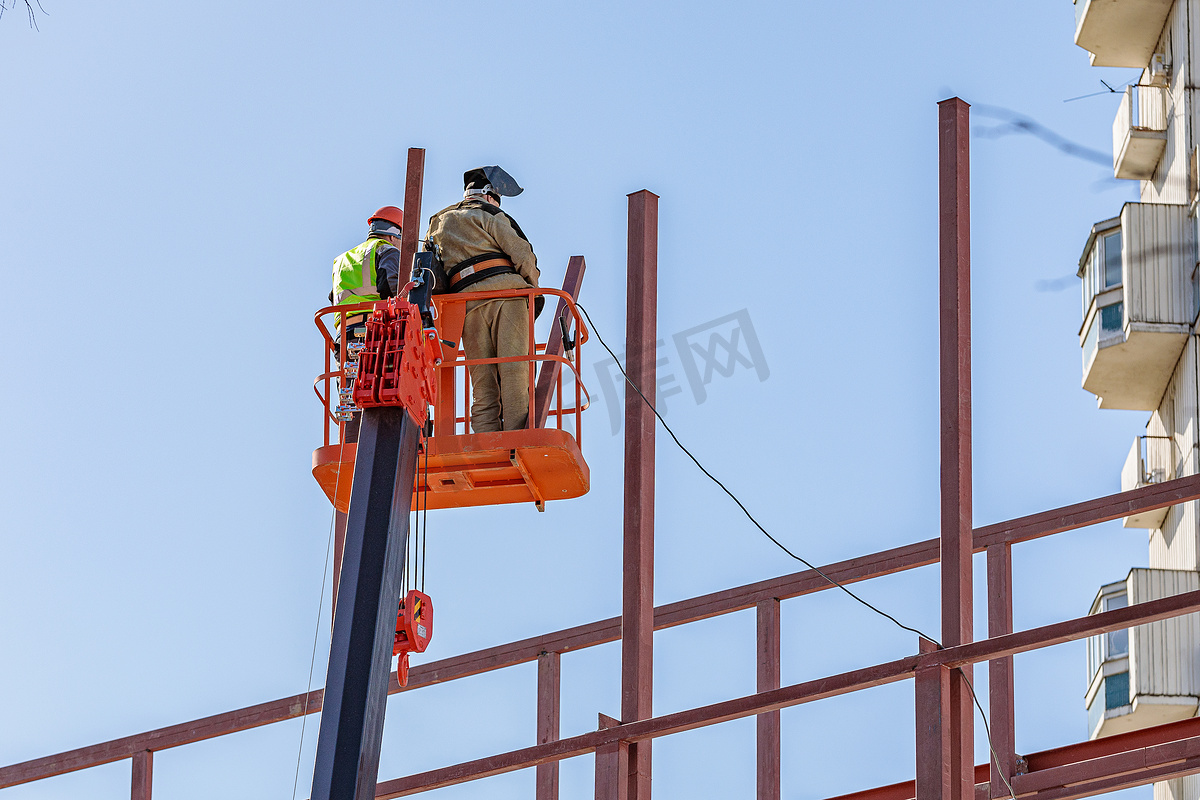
1141 296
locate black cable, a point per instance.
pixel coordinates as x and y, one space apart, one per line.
988 731
986 728
316 633
425 515
733 497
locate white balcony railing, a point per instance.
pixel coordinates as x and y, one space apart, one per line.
1140 132
1145 675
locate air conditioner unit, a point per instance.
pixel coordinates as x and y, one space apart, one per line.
1160 70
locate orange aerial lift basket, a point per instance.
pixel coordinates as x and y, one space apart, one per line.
540 462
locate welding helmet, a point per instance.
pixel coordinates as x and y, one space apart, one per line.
490 180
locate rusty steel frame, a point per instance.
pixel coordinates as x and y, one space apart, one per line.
943 751
875 565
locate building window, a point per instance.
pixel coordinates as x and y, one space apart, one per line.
1108 646
1111 318
1116 690
1102 270
1112 259
1117 641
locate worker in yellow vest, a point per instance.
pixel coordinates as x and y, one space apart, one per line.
370 271
366 273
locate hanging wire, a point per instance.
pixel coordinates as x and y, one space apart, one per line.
733 497
405 568
425 515
317 630
987 730
779 544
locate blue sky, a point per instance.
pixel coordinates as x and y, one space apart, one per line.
177 180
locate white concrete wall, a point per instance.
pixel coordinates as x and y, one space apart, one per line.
1164 656
1157 256
1170 182
1175 545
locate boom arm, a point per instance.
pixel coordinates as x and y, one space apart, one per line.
395 387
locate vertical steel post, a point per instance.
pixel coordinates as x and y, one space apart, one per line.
1000 670
414 183
612 766
364 623
954 231
547 377
768 744
548 703
143 775
637 597
932 689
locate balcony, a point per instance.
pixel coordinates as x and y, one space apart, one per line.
1137 303
1120 33
1143 676
1151 460
1140 132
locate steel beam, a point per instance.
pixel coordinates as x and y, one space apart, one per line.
637 593
1086 762
143 775
364 625
1000 671
543 392
1109 745
768 742
934 745
549 700
414 184
954 230
612 765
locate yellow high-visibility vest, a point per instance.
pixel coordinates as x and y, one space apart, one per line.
354 274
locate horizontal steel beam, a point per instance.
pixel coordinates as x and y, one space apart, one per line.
906 790
853 570
1087 768
160 739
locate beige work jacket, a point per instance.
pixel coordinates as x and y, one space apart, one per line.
473 227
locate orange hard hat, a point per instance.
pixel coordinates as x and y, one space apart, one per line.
391 214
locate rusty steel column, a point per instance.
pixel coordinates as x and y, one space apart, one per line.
548 374
932 689
143 775
612 766
360 650
549 698
954 233
1000 670
414 183
768 743
637 595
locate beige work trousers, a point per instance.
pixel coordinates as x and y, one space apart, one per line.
499 392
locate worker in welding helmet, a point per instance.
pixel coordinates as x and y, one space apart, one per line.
484 249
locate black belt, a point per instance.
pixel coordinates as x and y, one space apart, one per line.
476 269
